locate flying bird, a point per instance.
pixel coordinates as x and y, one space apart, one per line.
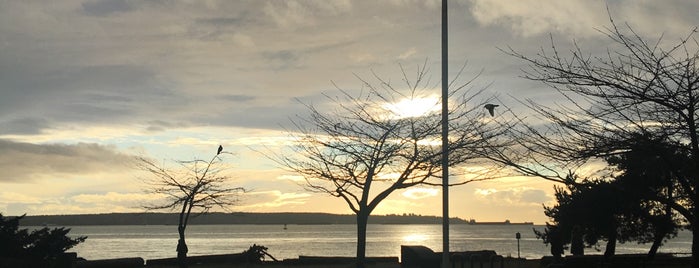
491 108
220 148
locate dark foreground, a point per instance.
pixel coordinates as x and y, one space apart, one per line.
578 262
411 257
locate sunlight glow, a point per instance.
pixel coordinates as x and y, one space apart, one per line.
412 238
413 107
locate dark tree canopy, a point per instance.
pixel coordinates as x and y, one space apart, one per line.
650 172
599 210
42 247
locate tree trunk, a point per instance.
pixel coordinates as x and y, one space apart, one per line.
577 247
660 231
694 223
182 248
695 242
694 197
610 249
658 240
663 228
362 220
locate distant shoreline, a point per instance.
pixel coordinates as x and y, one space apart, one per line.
279 218
506 222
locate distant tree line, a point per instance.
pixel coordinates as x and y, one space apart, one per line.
225 218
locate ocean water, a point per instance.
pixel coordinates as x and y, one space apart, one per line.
159 241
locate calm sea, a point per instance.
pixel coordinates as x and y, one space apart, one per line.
159 241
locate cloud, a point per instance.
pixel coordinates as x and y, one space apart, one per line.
126 62
105 7
293 14
222 21
161 125
238 97
533 17
407 54
23 125
45 93
288 14
130 199
12 197
243 40
67 208
581 18
23 162
514 196
420 193
272 199
16 203
293 178
674 20
221 28
283 59
141 74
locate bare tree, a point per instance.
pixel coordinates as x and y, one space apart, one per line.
196 186
363 148
638 87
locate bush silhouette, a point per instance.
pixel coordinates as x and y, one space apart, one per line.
42 248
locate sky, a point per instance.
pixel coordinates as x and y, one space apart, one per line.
88 85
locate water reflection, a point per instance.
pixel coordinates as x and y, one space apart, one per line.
412 238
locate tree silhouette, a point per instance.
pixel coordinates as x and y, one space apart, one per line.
594 209
39 248
611 210
362 149
650 171
638 87
197 186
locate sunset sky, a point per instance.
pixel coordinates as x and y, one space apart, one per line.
85 86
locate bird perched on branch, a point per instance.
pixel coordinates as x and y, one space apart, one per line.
491 108
220 148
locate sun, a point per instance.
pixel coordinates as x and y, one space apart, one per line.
413 107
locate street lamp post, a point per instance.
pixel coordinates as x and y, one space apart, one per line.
445 140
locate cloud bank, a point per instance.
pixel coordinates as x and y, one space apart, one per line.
25 162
